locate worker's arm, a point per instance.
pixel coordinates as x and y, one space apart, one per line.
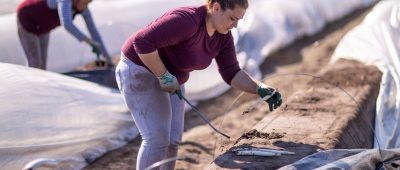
65 14
244 82
168 82
66 19
153 62
96 38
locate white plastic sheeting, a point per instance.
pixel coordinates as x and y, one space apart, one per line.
8 6
272 24
48 118
376 41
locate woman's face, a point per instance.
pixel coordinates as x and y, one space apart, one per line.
225 20
81 5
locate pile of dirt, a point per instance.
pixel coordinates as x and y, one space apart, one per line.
307 56
256 134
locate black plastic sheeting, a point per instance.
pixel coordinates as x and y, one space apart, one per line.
102 76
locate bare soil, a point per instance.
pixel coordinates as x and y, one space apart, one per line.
306 56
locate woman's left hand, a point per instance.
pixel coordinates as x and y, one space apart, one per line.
275 99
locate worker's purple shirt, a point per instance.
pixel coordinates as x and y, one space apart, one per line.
181 38
36 17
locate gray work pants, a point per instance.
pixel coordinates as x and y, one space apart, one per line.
158 115
35 47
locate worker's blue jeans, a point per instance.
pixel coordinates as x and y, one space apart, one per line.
158 115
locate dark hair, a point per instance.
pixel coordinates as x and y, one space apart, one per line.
229 4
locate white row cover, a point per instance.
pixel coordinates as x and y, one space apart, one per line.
8 6
49 118
376 41
272 24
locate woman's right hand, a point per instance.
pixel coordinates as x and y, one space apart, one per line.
168 82
96 47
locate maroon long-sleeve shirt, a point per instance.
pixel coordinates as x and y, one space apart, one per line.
38 18
181 38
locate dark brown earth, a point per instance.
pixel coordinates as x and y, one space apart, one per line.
308 55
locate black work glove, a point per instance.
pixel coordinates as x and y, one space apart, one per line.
274 101
96 48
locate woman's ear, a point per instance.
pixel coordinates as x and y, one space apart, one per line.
215 7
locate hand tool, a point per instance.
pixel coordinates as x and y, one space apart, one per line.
180 95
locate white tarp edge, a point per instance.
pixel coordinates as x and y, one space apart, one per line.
54 119
376 41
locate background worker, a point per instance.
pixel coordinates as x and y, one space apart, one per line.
36 18
156 62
